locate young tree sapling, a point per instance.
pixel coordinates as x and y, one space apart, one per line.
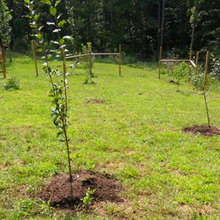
203 82
57 78
180 71
88 62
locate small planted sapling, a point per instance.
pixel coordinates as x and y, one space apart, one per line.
180 71
202 82
88 62
170 66
58 79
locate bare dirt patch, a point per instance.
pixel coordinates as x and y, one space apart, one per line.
204 130
95 101
173 82
58 191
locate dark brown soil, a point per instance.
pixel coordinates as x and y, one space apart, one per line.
95 101
58 191
204 130
172 81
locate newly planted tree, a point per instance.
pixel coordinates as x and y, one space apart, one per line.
180 72
57 78
88 62
202 82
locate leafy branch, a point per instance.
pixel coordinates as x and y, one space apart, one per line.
58 79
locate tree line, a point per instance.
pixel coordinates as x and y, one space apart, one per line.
136 24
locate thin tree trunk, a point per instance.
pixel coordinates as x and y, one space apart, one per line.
64 121
159 25
192 37
207 110
163 22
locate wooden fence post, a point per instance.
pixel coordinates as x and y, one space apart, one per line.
3 65
160 57
120 59
190 54
33 44
190 72
206 68
197 63
2 61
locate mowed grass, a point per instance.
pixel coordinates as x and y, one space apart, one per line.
135 135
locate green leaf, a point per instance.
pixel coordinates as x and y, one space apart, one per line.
62 41
36 17
61 23
48 2
40 50
27 1
53 11
39 36
57 3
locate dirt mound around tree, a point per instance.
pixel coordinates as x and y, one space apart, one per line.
95 101
60 194
204 130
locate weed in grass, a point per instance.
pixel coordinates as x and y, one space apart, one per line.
12 84
87 199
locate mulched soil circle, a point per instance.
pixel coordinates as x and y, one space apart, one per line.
204 130
58 191
95 101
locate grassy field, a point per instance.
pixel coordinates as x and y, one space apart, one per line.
135 135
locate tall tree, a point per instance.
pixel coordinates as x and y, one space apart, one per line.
5 28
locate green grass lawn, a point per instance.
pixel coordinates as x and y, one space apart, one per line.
135 135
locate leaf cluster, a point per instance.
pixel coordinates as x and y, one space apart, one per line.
51 51
87 199
202 83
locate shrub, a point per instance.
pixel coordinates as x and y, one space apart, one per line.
215 67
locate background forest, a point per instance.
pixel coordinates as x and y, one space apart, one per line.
135 24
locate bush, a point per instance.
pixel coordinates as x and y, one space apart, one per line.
215 67
179 72
12 84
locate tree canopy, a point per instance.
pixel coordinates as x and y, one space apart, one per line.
133 23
